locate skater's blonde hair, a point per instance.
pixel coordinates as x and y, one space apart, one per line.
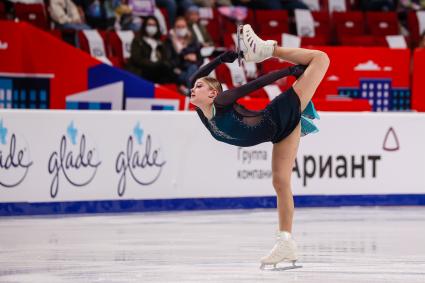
213 83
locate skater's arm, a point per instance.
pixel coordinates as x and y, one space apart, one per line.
226 57
230 96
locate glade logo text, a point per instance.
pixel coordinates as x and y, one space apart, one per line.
15 159
77 164
144 166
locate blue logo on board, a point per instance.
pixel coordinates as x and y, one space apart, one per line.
72 132
3 133
142 161
138 133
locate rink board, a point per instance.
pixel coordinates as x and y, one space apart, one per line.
94 161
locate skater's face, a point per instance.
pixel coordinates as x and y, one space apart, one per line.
202 94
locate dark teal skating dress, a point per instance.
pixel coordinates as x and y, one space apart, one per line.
236 125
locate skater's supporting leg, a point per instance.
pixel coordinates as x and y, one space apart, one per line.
283 158
317 64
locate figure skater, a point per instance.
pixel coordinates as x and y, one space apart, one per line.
282 122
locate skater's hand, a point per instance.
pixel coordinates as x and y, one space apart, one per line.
229 56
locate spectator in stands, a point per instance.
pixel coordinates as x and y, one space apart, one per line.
124 18
173 6
198 30
292 4
185 51
100 14
149 57
6 10
378 5
65 15
80 8
405 5
212 3
272 5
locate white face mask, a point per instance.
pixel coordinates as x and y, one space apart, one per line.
181 32
151 30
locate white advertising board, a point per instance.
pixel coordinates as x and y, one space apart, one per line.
57 156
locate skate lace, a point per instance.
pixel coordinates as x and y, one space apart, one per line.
253 40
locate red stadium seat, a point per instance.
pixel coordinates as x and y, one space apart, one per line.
318 40
322 30
56 33
228 41
269 22
165 15
271 65
322 23
2 11
348 24
413 25
114 48
349 4
364 40
382 23
224 76
84 45
33 13
255 104
259 93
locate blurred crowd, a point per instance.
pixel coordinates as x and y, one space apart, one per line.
125 14
173 55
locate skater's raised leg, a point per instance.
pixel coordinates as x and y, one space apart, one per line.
317 62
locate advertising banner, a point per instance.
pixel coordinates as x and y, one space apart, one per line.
74 156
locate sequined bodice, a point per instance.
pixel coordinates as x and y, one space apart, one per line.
236 128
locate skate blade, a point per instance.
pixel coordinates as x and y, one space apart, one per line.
238 47
272 267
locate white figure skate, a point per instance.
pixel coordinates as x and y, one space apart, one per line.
253 48
285 250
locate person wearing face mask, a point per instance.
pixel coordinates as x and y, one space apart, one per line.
149 58
198 30
185 52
